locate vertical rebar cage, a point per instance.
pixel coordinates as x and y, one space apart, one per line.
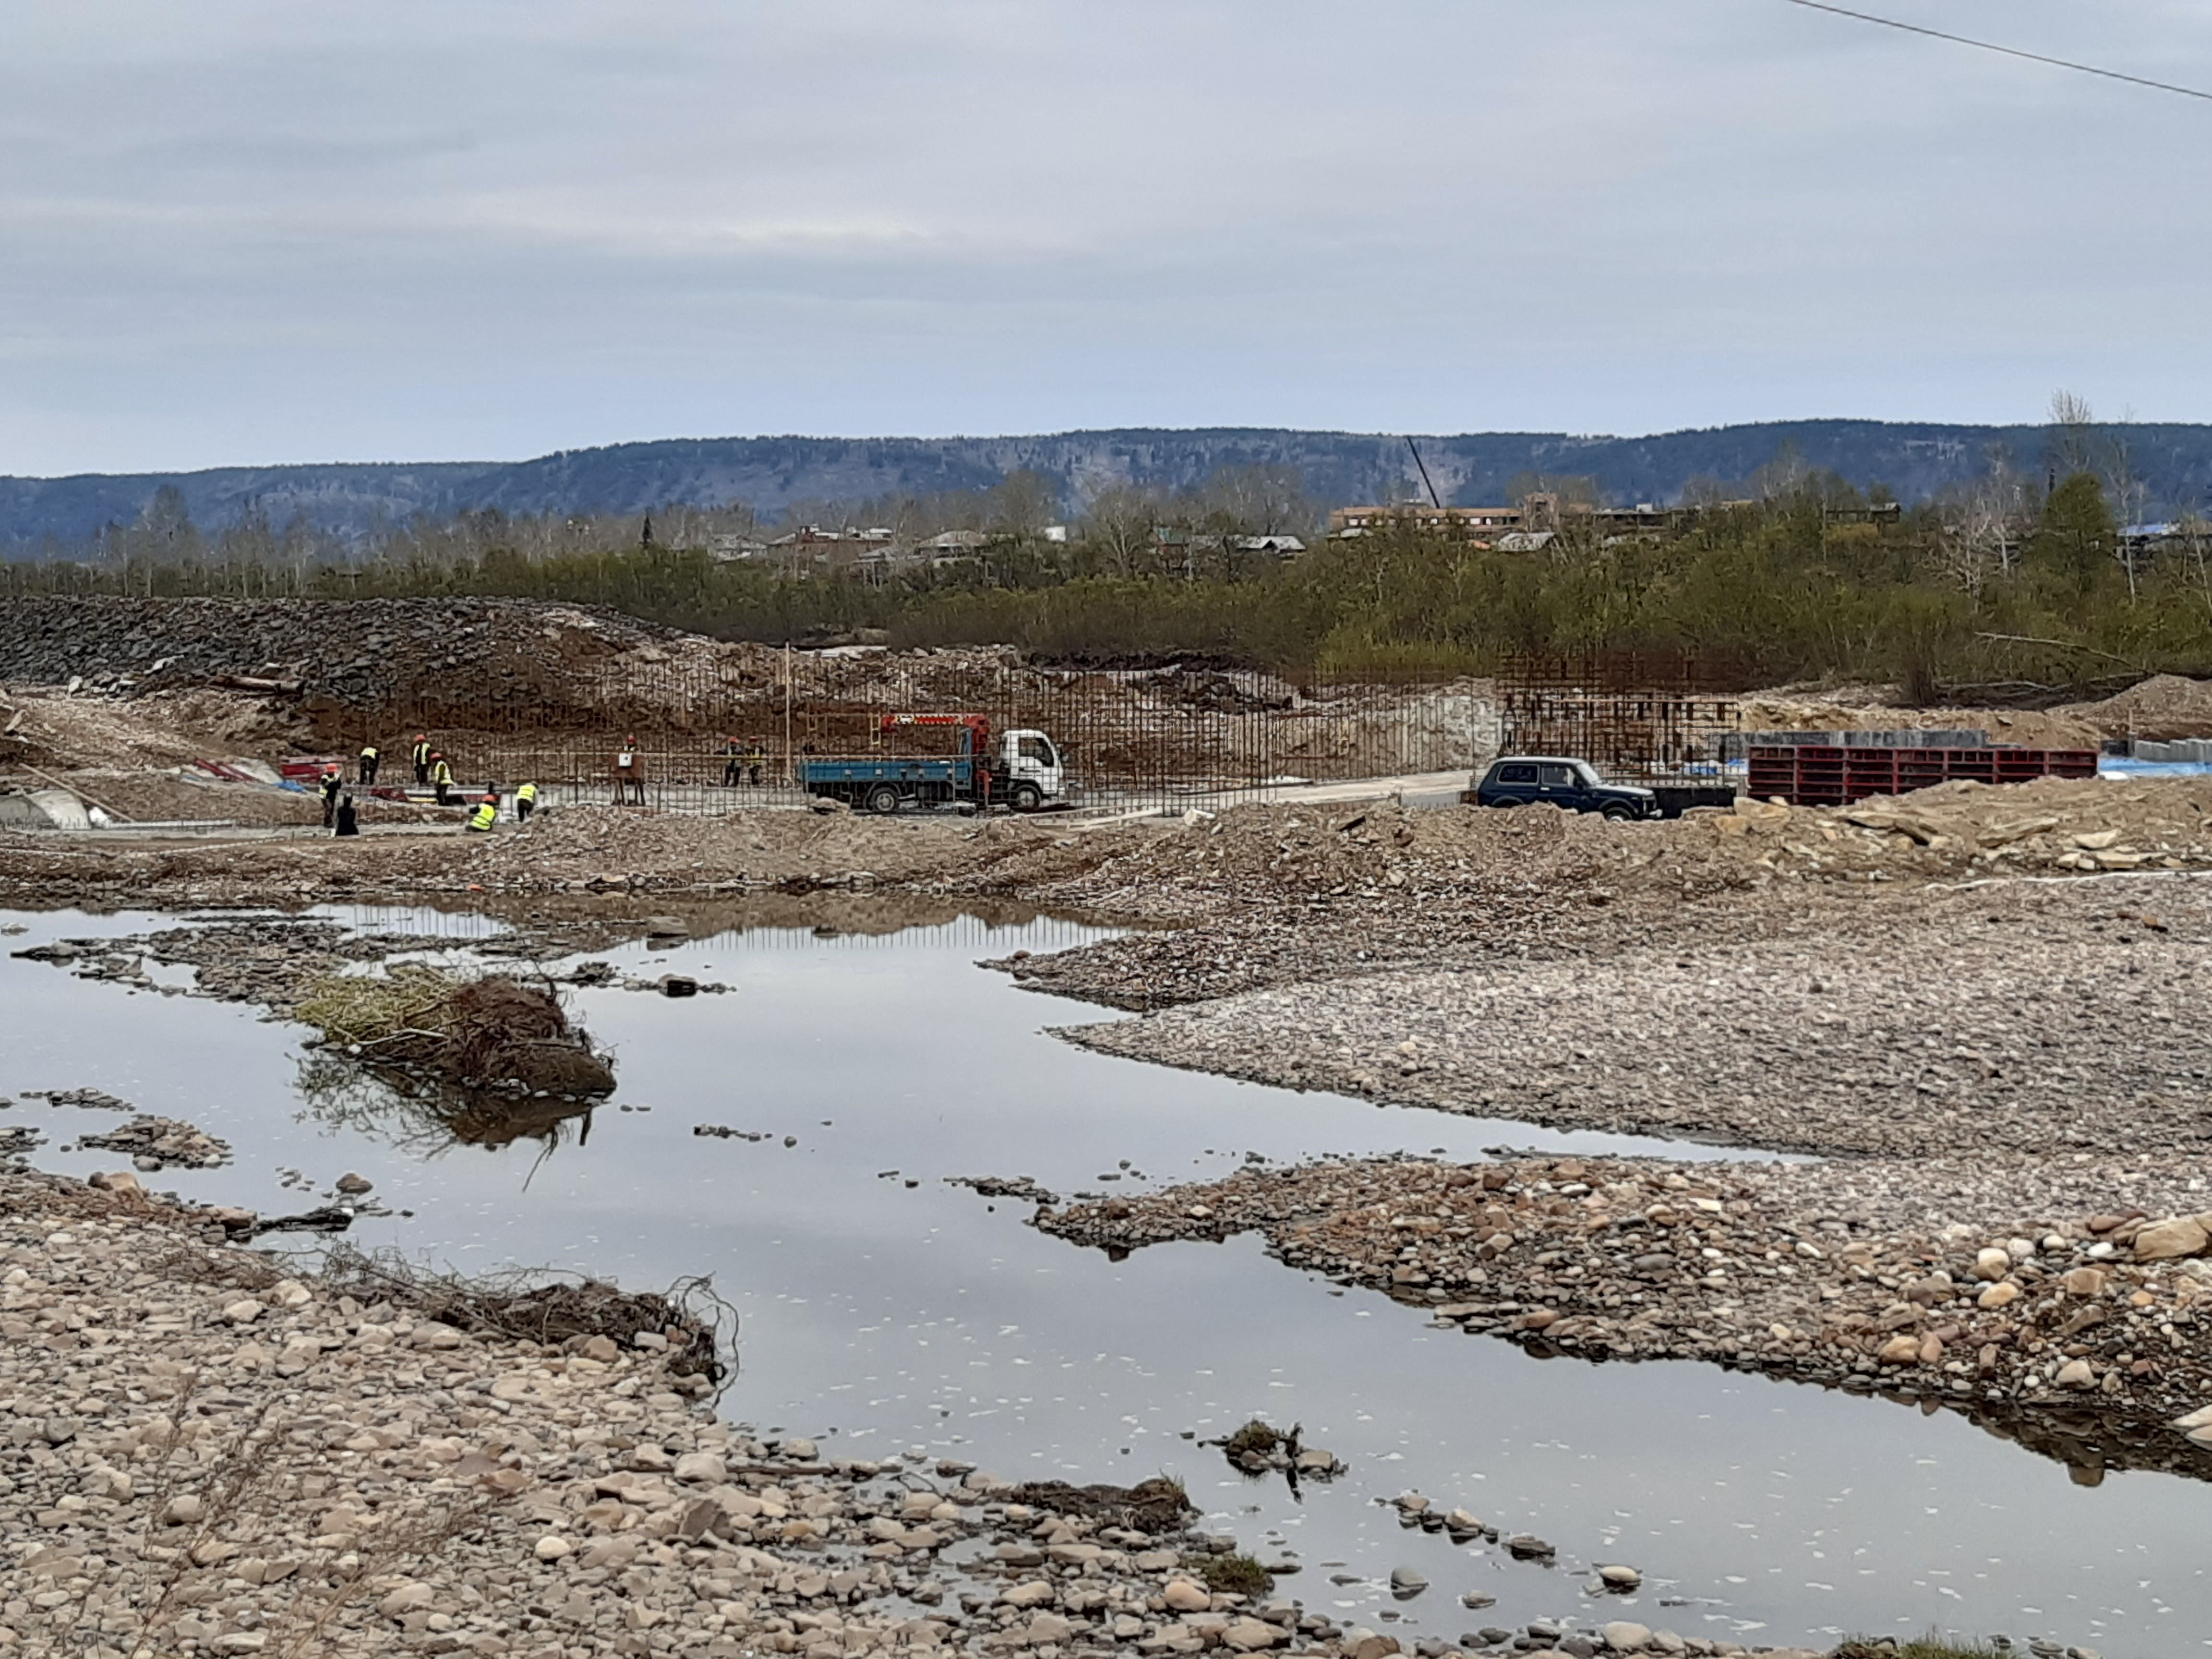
1130 738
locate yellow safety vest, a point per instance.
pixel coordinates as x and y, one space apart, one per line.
484 817
441 772
528 791
422 754
368 751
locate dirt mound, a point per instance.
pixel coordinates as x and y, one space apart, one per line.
2161 707
1788 710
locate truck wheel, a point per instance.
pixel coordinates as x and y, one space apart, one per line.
1617 814
883 799
1027 798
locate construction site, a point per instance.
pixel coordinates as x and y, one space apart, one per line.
203 713
1517 1074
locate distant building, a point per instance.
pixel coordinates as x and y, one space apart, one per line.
1530 527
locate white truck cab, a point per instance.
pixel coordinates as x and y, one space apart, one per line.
1031 764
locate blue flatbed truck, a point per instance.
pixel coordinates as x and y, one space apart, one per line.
1022 770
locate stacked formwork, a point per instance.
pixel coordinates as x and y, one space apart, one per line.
1826 774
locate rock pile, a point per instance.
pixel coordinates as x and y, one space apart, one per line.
155 1142
2070 1282
353 651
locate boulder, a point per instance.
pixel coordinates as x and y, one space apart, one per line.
2166 1240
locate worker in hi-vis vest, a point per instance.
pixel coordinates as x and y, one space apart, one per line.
421 753
369 760
525 802
441 778
485 816
332 784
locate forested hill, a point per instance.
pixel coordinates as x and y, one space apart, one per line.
772 475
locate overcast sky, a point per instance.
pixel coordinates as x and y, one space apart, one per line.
250 231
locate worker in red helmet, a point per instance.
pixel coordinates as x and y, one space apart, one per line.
422 758
332 784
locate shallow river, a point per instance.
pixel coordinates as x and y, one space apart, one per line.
889 1317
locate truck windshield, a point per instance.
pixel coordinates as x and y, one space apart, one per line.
1039 749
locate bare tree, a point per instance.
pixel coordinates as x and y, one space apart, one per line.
2131 498
1119 523
1986 524
2070 442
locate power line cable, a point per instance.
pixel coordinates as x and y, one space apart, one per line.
2009 51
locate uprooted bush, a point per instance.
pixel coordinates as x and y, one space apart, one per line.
689 1322
486 1032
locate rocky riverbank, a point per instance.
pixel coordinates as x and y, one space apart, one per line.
2005 1285
2020 1017
203 1456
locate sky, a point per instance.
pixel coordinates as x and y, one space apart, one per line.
250 232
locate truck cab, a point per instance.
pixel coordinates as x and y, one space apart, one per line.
1031 766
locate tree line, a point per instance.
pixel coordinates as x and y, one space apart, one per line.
2022 584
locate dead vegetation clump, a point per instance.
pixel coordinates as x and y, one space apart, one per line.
1230 1574
1254 1436
1158 1505
689 1321
489 1032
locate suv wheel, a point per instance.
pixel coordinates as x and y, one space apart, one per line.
1617 814
1505 801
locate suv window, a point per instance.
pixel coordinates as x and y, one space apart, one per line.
1516 775
1559 777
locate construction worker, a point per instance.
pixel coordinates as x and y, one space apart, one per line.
331 784
525 802
755 757
441 778
629 774
421 753
369 760
486 815
349 817
733 764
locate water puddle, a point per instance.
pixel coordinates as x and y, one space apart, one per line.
890 1311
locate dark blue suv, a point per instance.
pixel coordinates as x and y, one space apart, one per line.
1518 780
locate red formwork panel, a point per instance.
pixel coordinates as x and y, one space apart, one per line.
1870 772
1826 776
1920 768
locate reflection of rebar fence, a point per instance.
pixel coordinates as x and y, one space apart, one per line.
1631 715
703 725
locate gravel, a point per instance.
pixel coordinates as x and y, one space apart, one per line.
2011 1018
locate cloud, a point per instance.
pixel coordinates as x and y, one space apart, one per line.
244 231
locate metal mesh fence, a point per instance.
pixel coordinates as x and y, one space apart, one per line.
725 732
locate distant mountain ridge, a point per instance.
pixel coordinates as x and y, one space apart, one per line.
1916 459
